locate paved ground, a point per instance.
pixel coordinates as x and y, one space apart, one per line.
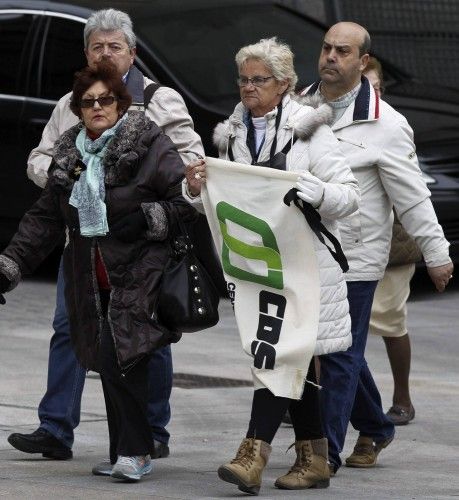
208 423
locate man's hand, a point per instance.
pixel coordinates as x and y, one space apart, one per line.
195 173
440 275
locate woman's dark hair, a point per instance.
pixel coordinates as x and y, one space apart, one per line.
107 73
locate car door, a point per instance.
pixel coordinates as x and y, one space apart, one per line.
16 39
58 55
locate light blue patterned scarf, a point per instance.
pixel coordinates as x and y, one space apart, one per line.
88 193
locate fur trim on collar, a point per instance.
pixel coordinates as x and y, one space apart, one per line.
313 100
129 145
321 114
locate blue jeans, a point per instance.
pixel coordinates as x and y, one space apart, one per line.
349 392
59 410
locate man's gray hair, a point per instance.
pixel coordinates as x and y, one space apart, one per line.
110 20
277 56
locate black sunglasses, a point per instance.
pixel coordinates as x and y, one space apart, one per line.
103 101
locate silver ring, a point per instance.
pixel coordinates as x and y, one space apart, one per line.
197 176
450 276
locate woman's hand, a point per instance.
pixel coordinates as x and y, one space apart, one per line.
195 173
310 189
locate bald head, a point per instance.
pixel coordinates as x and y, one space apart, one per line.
343 58
360 34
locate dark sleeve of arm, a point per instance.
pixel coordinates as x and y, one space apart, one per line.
166 181
40 230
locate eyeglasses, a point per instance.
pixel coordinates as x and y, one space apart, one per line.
106 100
258 81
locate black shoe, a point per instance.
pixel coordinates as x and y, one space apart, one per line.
40 441
400 416
160 450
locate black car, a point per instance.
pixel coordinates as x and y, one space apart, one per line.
188 45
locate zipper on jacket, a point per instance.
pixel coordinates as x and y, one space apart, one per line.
95 285
130 366
96 248
347 141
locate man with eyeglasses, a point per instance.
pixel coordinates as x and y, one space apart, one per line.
378 143
108 35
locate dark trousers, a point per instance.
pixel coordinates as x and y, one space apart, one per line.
59 409
126 397
268 411
349 392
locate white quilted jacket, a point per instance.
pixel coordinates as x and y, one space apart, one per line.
318 151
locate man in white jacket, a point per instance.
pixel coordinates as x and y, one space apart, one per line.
108 34
379 145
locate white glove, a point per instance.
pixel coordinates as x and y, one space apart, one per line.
310 189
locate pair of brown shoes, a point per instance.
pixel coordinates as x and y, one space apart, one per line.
400 416
366 452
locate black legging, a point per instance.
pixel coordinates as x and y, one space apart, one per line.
268 411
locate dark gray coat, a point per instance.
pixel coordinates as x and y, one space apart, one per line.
142 169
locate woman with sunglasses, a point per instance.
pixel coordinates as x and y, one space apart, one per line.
114 180
270 127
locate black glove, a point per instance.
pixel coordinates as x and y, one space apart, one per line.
130 227
4 285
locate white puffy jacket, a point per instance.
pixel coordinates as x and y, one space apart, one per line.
316 150
378 142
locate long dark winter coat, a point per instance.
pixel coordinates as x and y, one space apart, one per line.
142 170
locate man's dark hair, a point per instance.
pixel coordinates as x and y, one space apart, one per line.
107 73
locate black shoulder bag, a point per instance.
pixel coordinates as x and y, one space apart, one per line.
188 299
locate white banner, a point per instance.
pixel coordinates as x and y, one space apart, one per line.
270 265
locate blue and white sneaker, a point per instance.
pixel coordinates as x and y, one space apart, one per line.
103 468
132 468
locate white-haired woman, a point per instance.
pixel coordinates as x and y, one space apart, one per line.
268 127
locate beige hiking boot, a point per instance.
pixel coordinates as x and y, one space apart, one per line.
310 469
246 469
366 452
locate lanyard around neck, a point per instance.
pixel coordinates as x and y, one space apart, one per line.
251 131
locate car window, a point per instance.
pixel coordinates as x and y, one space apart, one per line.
62 55
15 30
199 45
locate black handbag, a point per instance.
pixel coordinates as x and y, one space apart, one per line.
188 299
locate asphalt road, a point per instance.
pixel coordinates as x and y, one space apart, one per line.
209 422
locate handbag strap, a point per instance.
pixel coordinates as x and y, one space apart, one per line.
177 232
313 218
149 92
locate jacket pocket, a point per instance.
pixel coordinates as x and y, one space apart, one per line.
350 229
